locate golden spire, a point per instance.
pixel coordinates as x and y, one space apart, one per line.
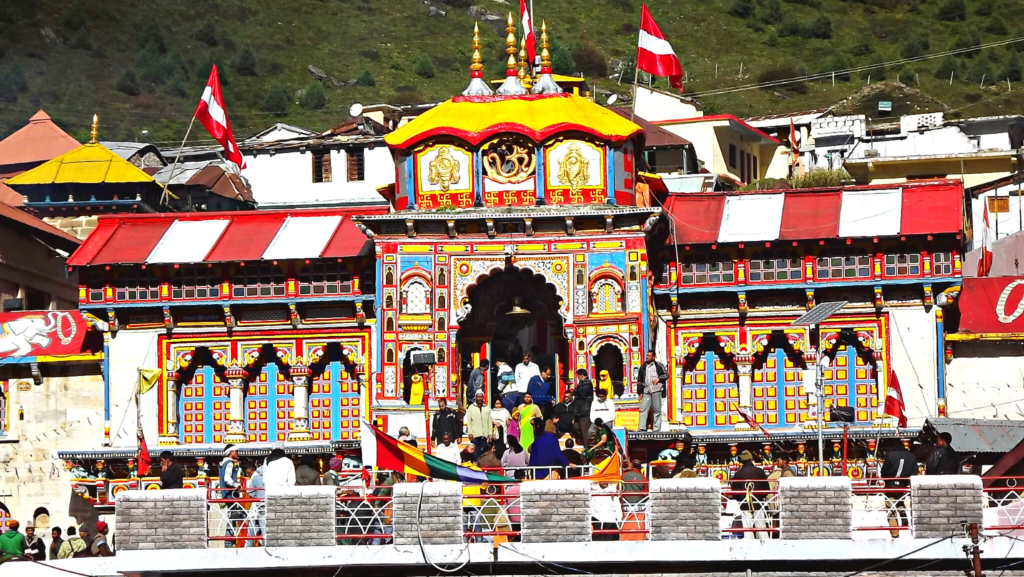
477 66
510 48
525 73
545 55
95 132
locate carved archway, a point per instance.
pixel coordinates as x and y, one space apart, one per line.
470 272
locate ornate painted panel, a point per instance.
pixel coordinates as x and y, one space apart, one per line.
575 173
709 395
444 177
850 382
203 408
777 395
269 406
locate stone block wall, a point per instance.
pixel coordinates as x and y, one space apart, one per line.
939 504
172 519
300 516
438 518
555 511
816 507
685 509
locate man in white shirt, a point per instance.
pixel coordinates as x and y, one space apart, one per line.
525 371
448 451
603 408
278 469
605 511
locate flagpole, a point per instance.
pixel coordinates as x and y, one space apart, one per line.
163 194
636 78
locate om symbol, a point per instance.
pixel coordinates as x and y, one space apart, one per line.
1001 304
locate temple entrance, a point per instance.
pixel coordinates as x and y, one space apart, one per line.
609 358
515 312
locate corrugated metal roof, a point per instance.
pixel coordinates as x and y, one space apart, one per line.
980 435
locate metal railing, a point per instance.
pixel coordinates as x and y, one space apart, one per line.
363 511
1003 511
618 515
491 513
234 518
877 509
750 514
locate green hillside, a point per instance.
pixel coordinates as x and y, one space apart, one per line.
141 64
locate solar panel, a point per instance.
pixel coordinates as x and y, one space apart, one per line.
819 313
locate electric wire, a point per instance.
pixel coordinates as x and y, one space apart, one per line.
419 538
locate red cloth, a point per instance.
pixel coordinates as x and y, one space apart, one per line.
210 112
992 305
654 54
985 259
811 215
531 39
932 209
696 218
894 406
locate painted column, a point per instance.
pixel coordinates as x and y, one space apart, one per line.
539 175
809 376
940 362
106 389
882 373
744 368
169 436
236 376
299 374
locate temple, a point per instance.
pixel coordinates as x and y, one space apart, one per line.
521 220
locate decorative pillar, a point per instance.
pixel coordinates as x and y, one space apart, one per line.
940 363
881 374
299 374
169 433
744 367
236 375
809 376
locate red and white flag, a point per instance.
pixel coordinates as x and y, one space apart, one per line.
144 460
894 406
214 117
654 55
985 258
531 39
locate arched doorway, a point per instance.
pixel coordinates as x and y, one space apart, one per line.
609 358
538 330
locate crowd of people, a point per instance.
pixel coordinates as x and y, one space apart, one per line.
28 546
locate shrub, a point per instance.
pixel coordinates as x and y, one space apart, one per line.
966 39
561 58
159 68
277 100
314 97
820 28
366 79
742 8
590 61
1012 68
947 66
244 62
783 72
978 69
772 41
875 74
178 85
770 12
207 34
985 7
996 26
74 19
424 66
952 11
12 82
862 48
789 28
81 40
147 31
907 74
915 46
821 177
839 61
127 83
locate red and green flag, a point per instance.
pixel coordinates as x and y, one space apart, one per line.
388 453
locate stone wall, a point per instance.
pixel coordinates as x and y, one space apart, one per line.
685 509
940 504
816 507
300 516
555 511
76 226
172 519
438 519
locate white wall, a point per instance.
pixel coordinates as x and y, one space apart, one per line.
286 179
1009 222
914 346
129 351
985 380
653 106
702 136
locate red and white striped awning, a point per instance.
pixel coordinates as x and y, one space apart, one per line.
933 207
224 237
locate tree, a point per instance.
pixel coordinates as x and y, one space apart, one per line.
244 62
313 96
789 28
985 7
771 12
207 34
424 66
590 61
1012 68
820 28
277 100
742 8
12 82
997 26
127 83
839 61
915 46
561 58
968 38
947 66
978 70
366 79
952 11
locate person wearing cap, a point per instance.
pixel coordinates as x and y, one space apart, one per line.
36 546
603 408
476 379
13 543
478 424
228 485
332 477
750 486
75 546
99 546
171 474
278 469
782 469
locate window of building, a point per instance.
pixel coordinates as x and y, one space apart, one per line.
754 172
259 281
666 273
322 166
94 286
137 285
998 204
775 265
606 297
845 263
732 155
903 264
36 300
416 297
356 166
708 269
196 283
325 278
743 165
942 263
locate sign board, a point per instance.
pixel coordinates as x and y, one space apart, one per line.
885 106
992 305
37 336
628 419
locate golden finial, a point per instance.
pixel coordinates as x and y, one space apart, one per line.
510 48
545 55
525 74
95 132
477 66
